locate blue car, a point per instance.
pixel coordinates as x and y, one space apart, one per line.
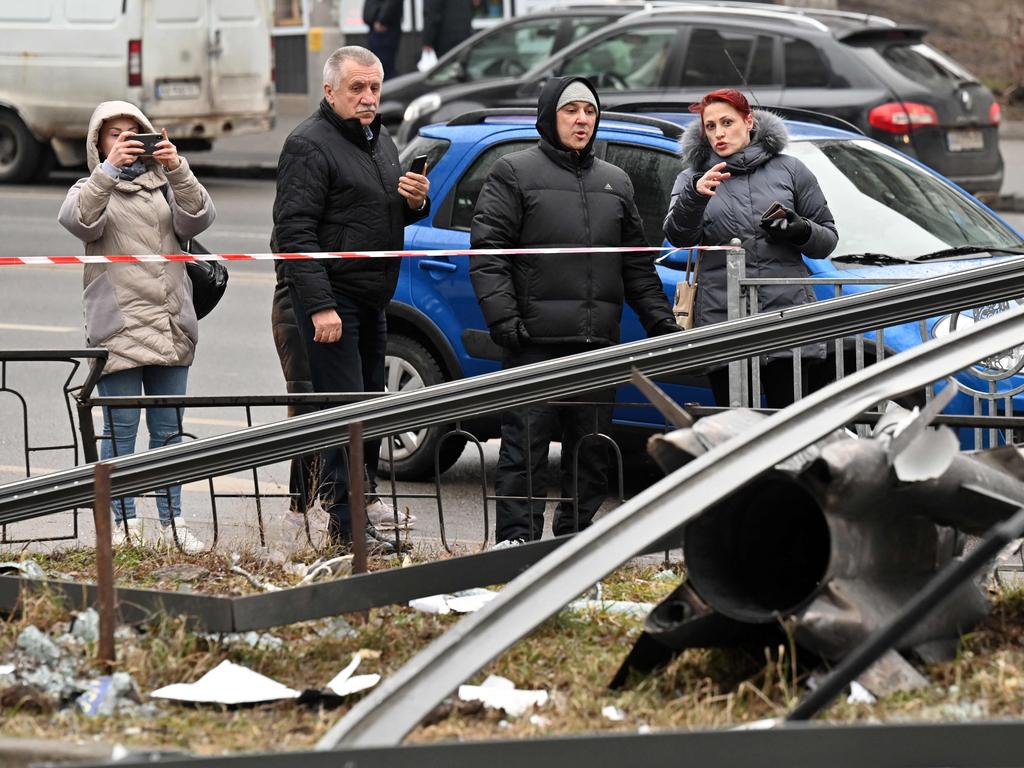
897 219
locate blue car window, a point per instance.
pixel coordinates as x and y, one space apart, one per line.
468 189
434 149
652 172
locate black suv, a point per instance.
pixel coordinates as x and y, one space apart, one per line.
867 70
505 50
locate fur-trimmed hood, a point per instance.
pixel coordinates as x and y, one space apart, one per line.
769 133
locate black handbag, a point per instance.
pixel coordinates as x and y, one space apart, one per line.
209 279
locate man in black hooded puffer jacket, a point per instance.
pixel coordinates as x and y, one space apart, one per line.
540 307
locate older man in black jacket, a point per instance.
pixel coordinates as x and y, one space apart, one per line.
339 188
540 307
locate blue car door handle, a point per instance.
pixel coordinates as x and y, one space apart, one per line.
440 266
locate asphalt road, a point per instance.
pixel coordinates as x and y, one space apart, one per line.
40 308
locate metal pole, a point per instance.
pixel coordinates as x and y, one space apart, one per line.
938 590
104 564
735 271
356 500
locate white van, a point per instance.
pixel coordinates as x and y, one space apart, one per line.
200 68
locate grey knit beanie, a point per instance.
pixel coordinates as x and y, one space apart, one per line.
576 91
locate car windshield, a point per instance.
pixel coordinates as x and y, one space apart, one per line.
885 204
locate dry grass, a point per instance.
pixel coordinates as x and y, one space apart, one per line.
572 656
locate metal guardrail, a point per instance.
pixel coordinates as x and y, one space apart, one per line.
455 400
391 711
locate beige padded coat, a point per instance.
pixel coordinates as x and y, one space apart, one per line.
141 313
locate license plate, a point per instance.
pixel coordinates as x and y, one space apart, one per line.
965 140
178 89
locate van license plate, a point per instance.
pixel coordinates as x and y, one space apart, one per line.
965 140
178 89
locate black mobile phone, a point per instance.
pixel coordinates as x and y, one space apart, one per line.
149 142
419 164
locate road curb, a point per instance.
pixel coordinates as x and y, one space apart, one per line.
1012 129
16 753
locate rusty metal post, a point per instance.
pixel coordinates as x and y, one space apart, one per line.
104 564
356 500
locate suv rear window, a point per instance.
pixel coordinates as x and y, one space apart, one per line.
915 63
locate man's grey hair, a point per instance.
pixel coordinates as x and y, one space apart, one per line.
356 53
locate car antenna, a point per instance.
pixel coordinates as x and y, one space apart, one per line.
742 78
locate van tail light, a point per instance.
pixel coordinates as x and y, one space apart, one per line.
273 61
902 117
995 113
134 63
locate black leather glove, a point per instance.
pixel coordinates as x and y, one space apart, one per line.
510 334
790 229
663 327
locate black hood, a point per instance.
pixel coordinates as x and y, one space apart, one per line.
547 104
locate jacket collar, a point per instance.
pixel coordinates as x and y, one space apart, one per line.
351 128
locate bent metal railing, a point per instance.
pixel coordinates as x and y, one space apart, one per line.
453 401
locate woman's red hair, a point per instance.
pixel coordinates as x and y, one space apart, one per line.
729 95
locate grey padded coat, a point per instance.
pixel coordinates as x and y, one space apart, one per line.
141 313
760 175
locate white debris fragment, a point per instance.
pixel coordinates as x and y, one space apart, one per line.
859 694
539 721
614 714
466 601
665 575
227 683
501 693
6 669
345 684
927 456
104 694
86 626
643 729
37 645
759 725
30 569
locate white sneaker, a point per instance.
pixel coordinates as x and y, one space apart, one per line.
381 515
295 529
189 543
508 543
133 537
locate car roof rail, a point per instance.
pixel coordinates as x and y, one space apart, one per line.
786 113
864 18
479 116
792 15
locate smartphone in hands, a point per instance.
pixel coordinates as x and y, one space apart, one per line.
419 164
774 211
149 142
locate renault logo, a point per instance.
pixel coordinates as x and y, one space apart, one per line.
966 100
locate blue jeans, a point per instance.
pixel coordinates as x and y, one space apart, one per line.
162 424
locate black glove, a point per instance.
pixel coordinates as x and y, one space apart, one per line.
790 229
510 334
663 327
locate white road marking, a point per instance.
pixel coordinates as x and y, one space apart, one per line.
39 328
223 484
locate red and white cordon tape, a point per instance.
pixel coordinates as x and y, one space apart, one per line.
8 261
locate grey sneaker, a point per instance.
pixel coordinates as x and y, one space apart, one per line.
188 542
381 514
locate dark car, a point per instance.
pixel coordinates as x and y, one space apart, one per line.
867 70
506 50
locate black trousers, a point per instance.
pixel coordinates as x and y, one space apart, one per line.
776 383
355 363
526 435
385 47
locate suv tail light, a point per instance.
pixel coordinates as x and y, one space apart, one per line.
134 62
902 117
995 113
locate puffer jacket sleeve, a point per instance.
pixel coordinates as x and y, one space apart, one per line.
812 206
303 184
497 223
84 211
192 210
684 223
640 280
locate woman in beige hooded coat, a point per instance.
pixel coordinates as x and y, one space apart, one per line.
141 313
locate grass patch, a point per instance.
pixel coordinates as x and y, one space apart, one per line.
571 655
